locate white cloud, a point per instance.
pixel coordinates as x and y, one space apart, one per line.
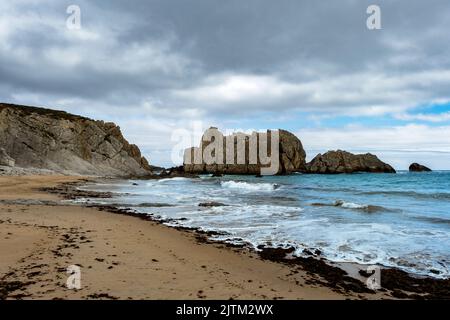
238 88
363 93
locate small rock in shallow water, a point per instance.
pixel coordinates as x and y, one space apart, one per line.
211 204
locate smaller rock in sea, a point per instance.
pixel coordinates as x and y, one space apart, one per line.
415 167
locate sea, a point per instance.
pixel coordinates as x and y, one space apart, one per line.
395 220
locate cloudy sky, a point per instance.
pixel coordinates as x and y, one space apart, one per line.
308 66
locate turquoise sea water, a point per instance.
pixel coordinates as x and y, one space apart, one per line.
399 220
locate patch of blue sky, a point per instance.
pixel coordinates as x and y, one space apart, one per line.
433 114
296 120
433 108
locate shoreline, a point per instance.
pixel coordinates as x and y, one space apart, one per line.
340 277
304 278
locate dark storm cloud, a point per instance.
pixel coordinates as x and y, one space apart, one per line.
257 35
227 57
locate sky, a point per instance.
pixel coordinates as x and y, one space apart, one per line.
156 67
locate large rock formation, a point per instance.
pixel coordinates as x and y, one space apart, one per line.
346 162
291 155
415 167
59 141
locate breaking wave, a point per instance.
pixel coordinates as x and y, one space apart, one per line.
355 206
252 187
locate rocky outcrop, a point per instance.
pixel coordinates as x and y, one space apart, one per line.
292 154
334 162
415 167
59 141
240 153
5 159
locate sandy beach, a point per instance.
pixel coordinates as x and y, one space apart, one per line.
123 257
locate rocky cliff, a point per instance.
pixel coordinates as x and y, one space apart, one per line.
291 155
59 141
339 161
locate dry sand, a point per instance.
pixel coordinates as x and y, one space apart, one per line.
125 257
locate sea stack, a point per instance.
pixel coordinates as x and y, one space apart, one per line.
291 156
334 162
415 167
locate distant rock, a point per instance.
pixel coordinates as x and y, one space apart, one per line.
291 155
415 167
175 172
157 169
339 161
217 175
62 142
5 159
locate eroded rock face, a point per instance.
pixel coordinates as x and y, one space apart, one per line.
5 159
291 155
415 167
59 141
334 162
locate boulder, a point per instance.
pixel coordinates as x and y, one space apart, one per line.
62 142
339 161
415 167
5 159
174 172
291 156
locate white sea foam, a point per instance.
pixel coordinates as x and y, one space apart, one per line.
153 183
173 179
259 210
350 205
245 186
